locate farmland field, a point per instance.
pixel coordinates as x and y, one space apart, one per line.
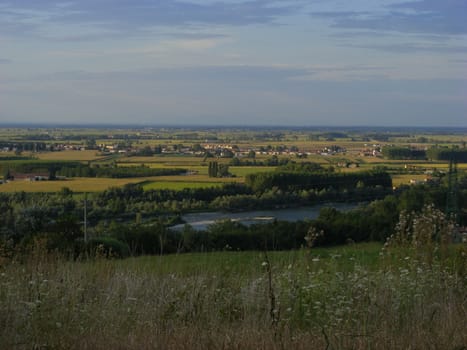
75 184
69 155
83 184
265 143
406 179
169 160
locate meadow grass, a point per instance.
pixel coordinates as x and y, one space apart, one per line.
247 263
335 298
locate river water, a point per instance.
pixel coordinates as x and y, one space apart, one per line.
200 221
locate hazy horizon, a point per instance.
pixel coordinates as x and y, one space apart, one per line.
387 63
195 127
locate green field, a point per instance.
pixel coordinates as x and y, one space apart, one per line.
177 185
84 184
247 263
242 171
78 184
346 297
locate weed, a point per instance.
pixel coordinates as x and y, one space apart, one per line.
210 301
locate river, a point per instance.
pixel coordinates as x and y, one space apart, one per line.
200 221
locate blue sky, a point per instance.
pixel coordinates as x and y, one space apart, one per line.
234 62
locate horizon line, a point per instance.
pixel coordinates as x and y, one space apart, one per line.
217 126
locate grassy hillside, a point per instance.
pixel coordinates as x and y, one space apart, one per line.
338 298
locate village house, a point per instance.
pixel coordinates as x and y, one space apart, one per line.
29 176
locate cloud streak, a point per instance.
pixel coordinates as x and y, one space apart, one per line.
243 74
234 61
414 48
128 16
446 17
236 95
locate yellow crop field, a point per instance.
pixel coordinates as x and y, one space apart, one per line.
166 160
445 166
139 160
82 184
406 179
69 155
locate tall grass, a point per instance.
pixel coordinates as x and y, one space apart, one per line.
336 298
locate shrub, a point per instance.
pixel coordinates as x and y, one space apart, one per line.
427 234
107 247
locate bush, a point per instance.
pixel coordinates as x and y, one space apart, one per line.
107 247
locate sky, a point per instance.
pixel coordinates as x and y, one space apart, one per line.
234 62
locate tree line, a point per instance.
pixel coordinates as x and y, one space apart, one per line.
432 153
447 154
294 180
116 172
78 169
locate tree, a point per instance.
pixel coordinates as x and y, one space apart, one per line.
235 161
273 161
197 148
146 151
91 143
52 168
6 174
65 192
223 170
218 170
213 169
158 149
227 153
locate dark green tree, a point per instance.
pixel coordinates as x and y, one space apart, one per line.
213 169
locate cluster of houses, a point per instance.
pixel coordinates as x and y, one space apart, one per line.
113 149
50 147
226 150
40 176
371 151
332 150
219 149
